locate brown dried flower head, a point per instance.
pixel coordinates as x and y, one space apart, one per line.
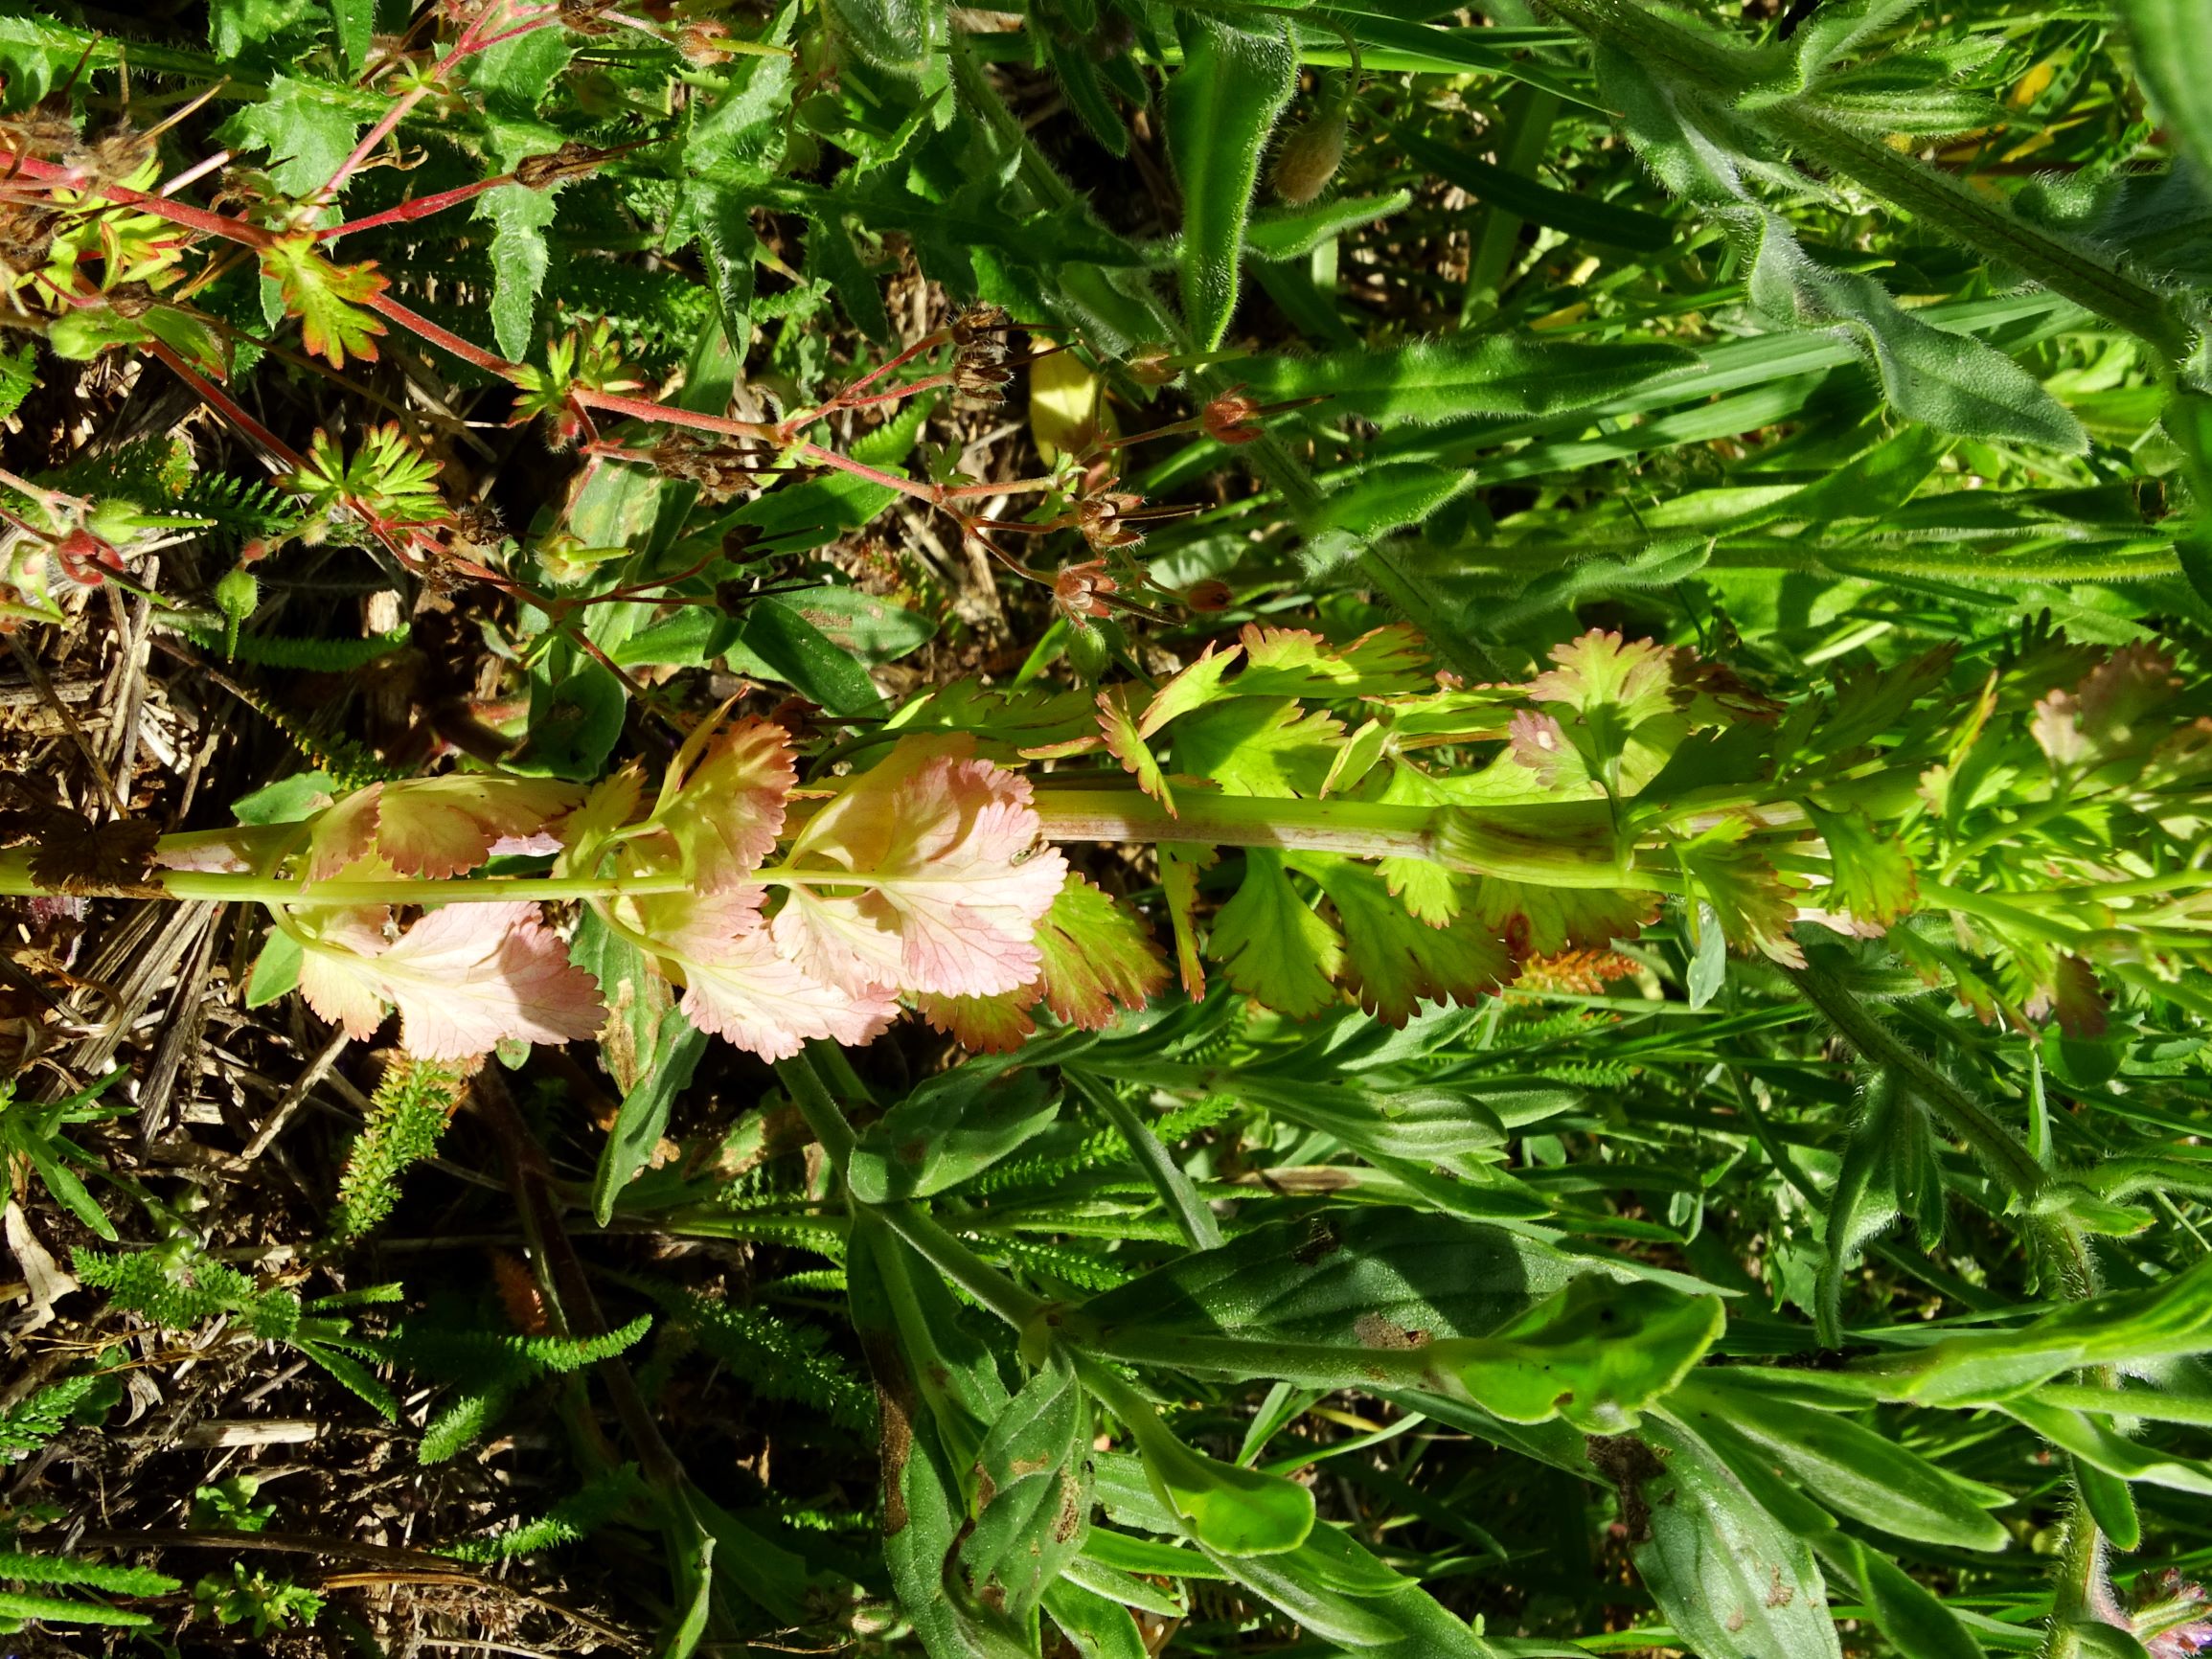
1229 419
572 160
1079 591
1104 519
1210 595
980 371
721 470
700 43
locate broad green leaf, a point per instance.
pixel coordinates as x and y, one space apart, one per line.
574 722
779 636
1598 1355
1259 746
1228 1510
1396 962
1350 1276
354 22
1336 1590
276 970
307 132
1032 1494
1847 1465
1729 1579
1220 105
953 1126
643 1113
1096 1625
235 26
871 629
1494 374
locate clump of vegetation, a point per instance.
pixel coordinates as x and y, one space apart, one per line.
1129 829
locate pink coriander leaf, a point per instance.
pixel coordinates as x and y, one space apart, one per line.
436 826
955 882
465 978
723 803
337 967
738 987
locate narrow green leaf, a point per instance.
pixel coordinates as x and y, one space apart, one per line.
1576 215
355 22
644 1114
1293 233
1222 105
519 217
1914 1619
60 1610
1848 1467
896 34
1494 374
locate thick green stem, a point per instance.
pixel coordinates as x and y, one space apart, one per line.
913 1225
2004 1156
1943 204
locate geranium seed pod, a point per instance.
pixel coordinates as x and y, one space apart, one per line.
1309 157
1211 594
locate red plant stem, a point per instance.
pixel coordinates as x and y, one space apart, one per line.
844 398
466 45
645 409
444 338
1012 487
544 20
225 405
176 212
422 207
927 384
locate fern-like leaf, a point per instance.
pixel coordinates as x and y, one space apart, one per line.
777 1357
24 1568
34 1421
301 656
570 1520
407 1118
